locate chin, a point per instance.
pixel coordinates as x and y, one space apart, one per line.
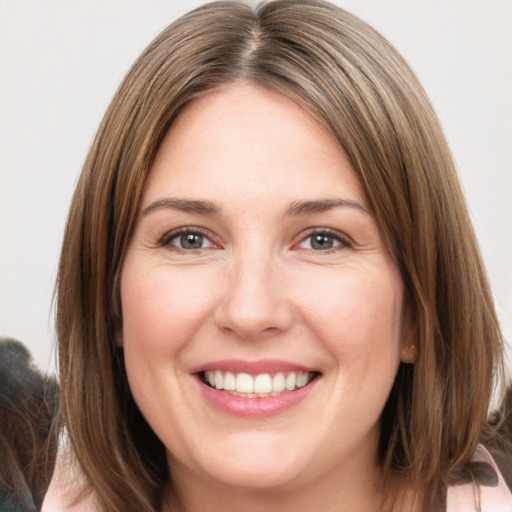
256 476
250 463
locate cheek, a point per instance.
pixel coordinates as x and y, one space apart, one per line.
162 308
357 316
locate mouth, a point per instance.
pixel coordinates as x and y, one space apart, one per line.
261 385
255 389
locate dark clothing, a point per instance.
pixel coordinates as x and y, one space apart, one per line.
28 439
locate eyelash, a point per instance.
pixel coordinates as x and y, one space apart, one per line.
344 242
167 238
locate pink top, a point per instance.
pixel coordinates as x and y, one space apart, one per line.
473 497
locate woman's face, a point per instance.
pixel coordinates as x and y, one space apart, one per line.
257 265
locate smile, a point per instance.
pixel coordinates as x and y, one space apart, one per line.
262 385
255 389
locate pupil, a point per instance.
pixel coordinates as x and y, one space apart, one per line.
322 242
191 241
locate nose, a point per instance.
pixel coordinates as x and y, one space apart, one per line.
254 303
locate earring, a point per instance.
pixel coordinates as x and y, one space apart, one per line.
410 354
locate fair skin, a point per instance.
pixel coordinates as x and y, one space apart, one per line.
256 252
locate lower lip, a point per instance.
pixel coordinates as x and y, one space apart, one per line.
255 407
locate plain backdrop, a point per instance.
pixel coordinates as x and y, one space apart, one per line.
61 61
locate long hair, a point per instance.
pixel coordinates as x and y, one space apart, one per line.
356 84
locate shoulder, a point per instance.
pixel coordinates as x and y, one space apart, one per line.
491 497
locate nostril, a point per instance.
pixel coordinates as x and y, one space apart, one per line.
252 325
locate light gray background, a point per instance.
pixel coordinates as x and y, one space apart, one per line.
61 61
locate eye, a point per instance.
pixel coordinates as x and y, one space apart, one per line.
323 241
187 240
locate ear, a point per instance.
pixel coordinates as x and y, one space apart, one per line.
409 346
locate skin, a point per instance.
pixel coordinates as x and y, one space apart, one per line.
255 289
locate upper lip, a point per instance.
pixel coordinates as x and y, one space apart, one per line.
252 367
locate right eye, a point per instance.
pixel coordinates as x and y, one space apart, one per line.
187 240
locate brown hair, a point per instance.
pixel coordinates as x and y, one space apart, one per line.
359 87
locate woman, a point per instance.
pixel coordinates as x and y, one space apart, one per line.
270 294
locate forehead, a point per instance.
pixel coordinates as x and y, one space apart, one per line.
245 141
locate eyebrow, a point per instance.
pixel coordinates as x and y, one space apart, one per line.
298 208
295 208
185 205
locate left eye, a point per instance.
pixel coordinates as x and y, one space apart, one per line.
188 240
322 242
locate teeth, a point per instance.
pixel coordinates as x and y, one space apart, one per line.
261 385
291 381
244 383
278 383
219 380
302 380
229 382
